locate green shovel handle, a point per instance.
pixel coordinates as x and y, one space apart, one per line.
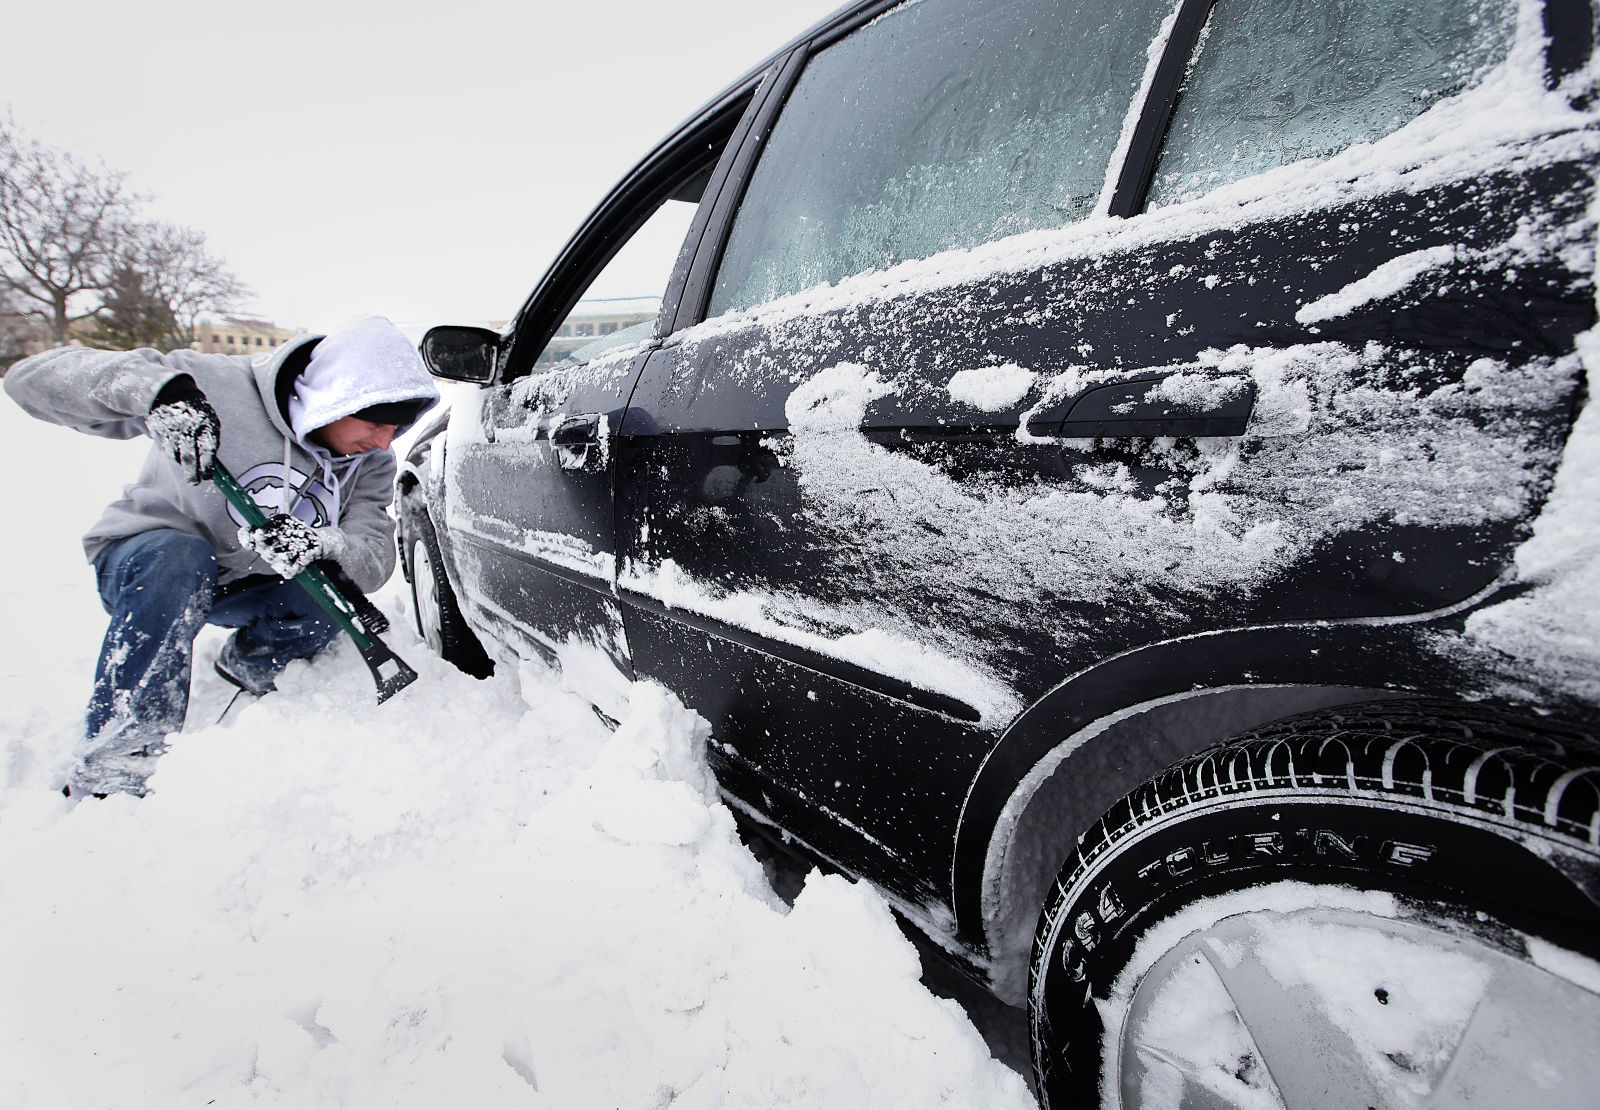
389 671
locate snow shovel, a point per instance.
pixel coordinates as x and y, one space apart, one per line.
389 671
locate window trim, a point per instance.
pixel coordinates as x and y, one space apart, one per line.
737 173
837 30
1138 168
674 163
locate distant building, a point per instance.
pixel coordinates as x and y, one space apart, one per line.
28 333
590 321
239 335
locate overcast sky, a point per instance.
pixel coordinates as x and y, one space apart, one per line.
421 161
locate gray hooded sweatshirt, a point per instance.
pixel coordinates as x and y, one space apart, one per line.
268 405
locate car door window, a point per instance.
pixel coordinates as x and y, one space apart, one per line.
620 306
944 123
1276 82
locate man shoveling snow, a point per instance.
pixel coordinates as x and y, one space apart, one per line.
307 430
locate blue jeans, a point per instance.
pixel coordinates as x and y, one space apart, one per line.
160 588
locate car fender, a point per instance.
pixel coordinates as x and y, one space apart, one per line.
1084 745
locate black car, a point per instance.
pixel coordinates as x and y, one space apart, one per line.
1098 467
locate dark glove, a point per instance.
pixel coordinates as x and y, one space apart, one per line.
185 427
289 545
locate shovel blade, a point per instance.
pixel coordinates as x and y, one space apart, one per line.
390 673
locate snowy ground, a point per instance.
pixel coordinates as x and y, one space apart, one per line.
473 896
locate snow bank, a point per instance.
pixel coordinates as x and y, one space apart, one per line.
474 895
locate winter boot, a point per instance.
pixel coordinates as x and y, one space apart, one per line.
237 668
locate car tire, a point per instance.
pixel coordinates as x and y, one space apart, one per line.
438 615
1392 904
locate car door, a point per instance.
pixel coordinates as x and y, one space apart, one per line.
883 498
528 491
795 460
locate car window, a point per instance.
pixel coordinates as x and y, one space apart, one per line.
943 123
620 305
620 337
1275 82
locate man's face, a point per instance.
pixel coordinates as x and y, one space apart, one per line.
351 435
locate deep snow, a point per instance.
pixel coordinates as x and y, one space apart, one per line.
474 895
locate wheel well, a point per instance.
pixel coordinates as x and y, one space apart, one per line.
1085 774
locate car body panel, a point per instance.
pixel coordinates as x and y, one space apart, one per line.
913 542
528 503
927 519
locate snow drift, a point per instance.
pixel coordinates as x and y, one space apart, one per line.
474 895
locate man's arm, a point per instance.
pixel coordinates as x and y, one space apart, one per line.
369 556
104 393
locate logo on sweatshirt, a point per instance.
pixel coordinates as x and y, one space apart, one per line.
309 497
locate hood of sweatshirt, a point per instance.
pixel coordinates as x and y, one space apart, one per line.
314 380
366 362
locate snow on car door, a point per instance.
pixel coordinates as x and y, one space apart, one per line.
528 498
530 490
814 497
871 520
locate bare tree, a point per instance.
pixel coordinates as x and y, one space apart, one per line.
164 279
70 244
62 225
131 314
22 330
181 276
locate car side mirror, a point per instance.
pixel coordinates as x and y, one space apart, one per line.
461 354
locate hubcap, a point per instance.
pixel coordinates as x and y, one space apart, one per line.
1330 1008
429 620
